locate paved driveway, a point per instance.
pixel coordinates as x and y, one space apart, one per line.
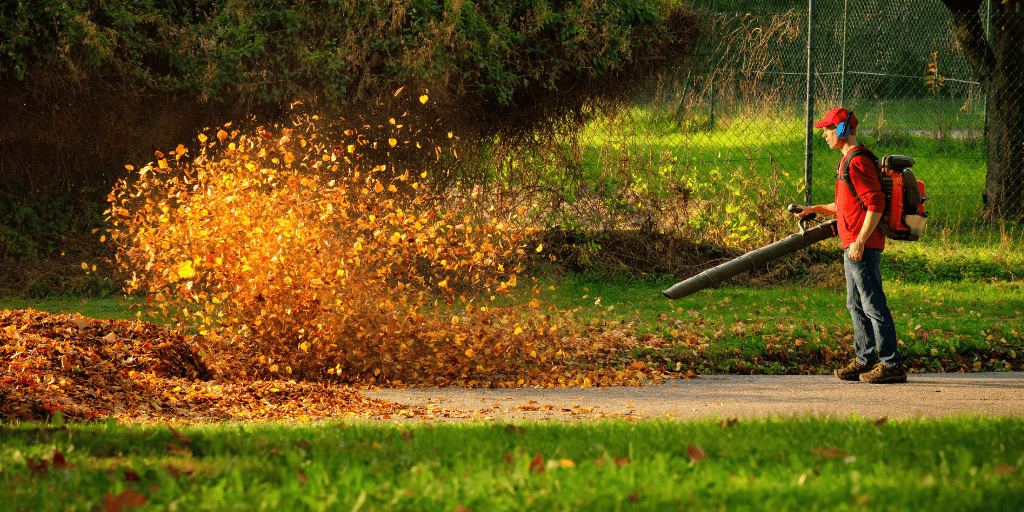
727 396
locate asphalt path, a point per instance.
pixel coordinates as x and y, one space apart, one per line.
725 397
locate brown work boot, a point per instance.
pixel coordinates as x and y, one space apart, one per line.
852 371
882 374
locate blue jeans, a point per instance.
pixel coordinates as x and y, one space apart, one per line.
874 333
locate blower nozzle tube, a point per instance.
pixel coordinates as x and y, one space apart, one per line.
752 260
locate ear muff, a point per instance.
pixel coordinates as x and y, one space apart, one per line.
843 128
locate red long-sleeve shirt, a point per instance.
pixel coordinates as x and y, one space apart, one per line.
848 211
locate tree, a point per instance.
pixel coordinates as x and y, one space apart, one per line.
998 63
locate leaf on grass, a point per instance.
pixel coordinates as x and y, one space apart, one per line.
42 466
301 475
178 436
176 471
696 452
537 464
60 462
728 422
173 449
831 452
881 421
131 476
124 501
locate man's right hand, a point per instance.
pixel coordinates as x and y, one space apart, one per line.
802 211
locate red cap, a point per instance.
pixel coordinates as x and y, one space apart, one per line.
834 117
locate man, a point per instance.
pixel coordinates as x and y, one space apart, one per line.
874 333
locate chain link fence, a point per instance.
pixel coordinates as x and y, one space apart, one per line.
743 104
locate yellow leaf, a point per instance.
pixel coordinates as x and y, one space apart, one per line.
392 120
443 284
162 162
376 371
85 266
304 346
202 138
185 271
391 188
540 247
351 148
393 142
378 188
534 304
518 330
130 167
423 99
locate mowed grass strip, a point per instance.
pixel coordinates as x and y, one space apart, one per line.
793 328
800 463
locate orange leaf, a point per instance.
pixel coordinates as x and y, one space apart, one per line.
696 452
831 452
60 462
537 464
124 501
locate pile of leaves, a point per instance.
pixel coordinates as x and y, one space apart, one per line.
136 371
90 369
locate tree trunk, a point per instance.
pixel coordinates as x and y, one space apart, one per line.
999 67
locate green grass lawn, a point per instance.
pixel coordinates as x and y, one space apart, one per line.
945 142
801 463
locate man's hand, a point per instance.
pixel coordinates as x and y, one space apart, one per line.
856 250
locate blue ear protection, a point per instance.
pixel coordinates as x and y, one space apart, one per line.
843 129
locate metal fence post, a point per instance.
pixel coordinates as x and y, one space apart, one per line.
809 134
714 72
842 68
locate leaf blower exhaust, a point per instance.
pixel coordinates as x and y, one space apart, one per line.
757 257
